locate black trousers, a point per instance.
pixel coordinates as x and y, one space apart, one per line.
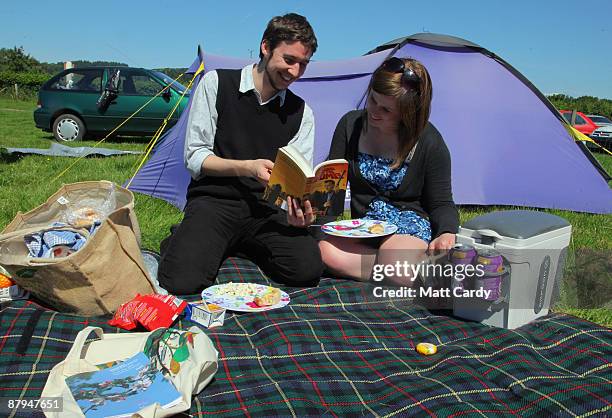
213 229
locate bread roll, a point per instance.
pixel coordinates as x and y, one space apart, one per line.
269 298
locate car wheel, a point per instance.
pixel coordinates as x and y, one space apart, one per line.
68 128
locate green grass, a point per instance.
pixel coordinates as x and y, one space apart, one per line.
27 182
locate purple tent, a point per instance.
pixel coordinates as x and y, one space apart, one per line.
508 144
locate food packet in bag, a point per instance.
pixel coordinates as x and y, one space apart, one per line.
85 212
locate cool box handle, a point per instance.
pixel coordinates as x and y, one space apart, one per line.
489 233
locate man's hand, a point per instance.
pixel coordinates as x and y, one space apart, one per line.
260 170
298 217
444 242
223 167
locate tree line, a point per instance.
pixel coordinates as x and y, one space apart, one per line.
17 60
18 67
586 104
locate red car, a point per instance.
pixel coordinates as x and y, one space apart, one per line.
582 122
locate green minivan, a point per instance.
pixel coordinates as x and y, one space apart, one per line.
95 100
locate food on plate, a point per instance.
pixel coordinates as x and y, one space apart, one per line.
377 229
271 297
236 289
245 297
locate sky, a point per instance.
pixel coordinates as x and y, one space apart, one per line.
560 46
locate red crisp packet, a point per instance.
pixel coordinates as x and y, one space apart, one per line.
124 317
161 311
151 311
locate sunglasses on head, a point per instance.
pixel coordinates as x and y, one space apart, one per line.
409 77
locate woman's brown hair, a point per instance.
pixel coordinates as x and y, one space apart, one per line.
413 95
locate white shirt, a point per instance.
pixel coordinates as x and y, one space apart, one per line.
202 121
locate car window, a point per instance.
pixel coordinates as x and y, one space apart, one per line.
78 80
567 116
579 120
138 83
599 119
168 80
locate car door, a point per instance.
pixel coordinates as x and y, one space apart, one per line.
136 88
582 125
176 93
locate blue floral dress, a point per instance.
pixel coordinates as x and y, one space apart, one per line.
377 171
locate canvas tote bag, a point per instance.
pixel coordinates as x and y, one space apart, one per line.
195 372
106 272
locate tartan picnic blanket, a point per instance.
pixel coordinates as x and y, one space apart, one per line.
337 351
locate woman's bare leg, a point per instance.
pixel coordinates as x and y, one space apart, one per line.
348 258
403 251
352 258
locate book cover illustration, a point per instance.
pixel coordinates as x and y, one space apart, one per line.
324 186
327 191
122 389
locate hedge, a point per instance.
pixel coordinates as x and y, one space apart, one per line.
31 80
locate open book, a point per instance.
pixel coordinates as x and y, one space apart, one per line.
122 389
324 185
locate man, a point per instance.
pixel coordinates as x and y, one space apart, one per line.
237 122
328 202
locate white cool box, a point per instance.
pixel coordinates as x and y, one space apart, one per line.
534 246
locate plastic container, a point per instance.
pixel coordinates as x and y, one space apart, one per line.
534 246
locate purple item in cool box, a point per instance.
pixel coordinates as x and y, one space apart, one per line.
490 260
491 281
462 254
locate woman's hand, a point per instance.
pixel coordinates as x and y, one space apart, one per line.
298 217
443 242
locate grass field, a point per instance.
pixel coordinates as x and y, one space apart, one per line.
27 182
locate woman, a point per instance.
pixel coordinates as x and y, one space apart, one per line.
399 171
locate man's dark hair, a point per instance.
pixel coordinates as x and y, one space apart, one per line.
289 28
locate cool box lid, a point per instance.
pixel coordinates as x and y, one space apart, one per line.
518 224
519 228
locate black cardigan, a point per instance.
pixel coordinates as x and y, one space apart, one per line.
426 187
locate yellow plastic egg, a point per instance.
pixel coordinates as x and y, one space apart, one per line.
427 349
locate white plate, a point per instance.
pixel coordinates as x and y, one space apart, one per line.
218 296
357 228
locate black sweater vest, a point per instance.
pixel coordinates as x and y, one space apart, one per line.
247 130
